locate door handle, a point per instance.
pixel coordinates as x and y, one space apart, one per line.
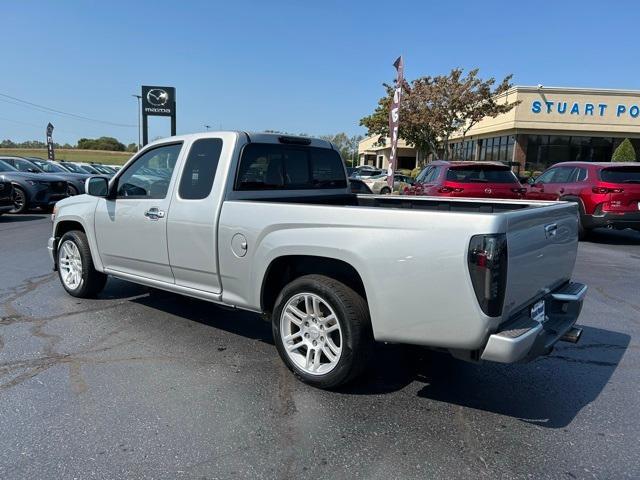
154 214
551 230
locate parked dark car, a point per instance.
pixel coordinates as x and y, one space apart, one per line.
6 195
608 194
467 179
76 181
33 189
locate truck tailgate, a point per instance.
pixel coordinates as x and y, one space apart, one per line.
542 244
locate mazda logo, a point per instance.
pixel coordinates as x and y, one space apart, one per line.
487 191
157 97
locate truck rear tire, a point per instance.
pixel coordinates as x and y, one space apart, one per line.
322 331
75 266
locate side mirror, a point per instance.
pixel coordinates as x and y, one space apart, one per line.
33 170
97 186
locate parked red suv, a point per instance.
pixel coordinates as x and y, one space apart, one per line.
608 194
467 179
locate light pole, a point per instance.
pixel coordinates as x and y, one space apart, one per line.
139 97
207 127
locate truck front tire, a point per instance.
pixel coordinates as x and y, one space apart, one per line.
75 266
322 330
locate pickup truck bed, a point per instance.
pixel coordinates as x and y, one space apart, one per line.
485 279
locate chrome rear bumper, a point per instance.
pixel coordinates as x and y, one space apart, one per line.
523 339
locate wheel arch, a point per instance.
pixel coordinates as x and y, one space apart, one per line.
286 268
65 225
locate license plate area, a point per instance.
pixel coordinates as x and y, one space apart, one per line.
538 313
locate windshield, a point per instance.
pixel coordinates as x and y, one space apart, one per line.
71 167
103 169
481 174
620 175
5 167
48 167
88 169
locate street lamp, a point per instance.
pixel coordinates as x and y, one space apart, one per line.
139 97
207 127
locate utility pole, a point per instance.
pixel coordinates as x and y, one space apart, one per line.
139 97
207 127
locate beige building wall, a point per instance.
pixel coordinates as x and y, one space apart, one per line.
596 112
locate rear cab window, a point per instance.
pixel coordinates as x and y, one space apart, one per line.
620 174
266 166
481 174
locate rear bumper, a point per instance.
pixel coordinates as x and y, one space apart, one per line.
522 339
610 219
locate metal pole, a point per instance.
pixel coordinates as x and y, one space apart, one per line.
139 97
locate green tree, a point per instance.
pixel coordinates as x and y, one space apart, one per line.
132 147
346 145
625 152
102 143
433 108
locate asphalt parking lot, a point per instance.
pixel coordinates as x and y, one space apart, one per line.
145 384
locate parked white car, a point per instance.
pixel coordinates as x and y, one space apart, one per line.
268 223
378 184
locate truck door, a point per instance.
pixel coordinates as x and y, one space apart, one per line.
131 228
193 219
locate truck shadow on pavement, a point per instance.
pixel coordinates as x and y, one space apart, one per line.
548 392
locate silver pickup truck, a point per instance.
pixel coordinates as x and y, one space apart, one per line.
268 223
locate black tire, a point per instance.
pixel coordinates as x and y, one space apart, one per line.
92 282
352 313
583 232
20 200
72 191
385 191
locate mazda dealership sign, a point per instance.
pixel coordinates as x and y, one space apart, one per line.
157 101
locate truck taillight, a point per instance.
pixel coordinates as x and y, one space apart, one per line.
488 269
607 190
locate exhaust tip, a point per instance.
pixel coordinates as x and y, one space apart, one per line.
572 336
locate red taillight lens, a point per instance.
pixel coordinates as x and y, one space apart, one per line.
488 269
603 190
450 190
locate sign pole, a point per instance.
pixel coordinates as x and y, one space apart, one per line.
394 121
51 155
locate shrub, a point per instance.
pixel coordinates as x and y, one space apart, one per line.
416 171
625 152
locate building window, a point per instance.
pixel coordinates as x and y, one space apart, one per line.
546 150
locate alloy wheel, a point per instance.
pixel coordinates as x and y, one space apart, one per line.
70 265
311 333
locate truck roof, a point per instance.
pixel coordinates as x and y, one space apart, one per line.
260 137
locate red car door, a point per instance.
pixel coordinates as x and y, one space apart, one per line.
541 189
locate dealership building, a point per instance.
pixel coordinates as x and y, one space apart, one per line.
547 125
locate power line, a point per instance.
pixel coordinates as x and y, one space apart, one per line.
59 112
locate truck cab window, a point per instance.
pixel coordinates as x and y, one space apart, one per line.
265 166
200 169
149 176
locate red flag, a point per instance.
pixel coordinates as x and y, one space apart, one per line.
394 120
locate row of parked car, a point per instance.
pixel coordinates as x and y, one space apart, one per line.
607 194
29 182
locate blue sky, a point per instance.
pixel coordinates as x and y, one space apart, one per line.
296 66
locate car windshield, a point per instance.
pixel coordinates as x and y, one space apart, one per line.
620 175
49 167
88 169
5 167
481 174
71 167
